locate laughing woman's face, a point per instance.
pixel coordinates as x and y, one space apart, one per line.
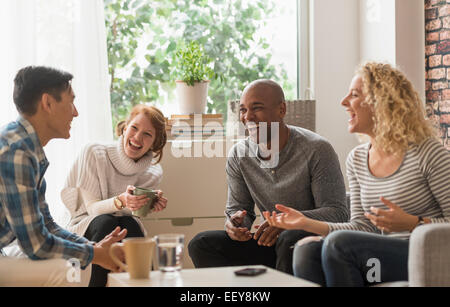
138 137
360 113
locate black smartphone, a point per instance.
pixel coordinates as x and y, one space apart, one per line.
250 272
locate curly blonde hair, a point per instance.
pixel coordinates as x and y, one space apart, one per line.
156 117
399 114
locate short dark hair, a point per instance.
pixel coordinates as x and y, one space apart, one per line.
32 82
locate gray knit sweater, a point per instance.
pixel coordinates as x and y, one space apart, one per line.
307 177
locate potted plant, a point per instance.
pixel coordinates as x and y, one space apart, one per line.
193 76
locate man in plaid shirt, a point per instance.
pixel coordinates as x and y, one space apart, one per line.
45 101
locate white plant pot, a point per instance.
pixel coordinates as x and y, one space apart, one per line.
192 99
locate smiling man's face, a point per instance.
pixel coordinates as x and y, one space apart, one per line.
64 112
261 103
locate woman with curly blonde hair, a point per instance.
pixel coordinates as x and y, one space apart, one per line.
398 181
399 114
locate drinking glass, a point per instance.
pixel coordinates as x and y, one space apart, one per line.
169 252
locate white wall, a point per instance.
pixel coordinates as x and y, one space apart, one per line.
348 32
394 32
377 35
336 54
410 42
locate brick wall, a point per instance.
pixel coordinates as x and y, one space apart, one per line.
437 24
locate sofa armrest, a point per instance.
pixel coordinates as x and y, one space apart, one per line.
429 256
24 272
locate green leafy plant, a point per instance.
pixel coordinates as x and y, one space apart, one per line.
225 30
191 64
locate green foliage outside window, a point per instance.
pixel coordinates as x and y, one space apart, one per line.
225 29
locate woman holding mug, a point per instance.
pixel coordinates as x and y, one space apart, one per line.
398 181
99 189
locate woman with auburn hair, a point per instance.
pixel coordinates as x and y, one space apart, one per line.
99 189
398 181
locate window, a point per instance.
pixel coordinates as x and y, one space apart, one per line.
247 40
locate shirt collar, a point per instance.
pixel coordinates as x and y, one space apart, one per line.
276 158
37 147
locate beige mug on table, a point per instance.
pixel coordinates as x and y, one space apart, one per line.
138 256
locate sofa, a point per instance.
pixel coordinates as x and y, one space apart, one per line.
429 256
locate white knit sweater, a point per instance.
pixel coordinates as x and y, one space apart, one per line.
101 173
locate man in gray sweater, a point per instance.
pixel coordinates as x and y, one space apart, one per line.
277 164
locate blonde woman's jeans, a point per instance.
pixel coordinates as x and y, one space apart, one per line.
353 259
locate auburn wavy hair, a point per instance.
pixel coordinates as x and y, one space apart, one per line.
156 117
399 113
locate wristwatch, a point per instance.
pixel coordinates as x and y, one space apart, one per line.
420 222
118 203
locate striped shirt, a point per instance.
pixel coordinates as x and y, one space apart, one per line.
420 186
24 213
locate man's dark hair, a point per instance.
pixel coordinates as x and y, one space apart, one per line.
32 82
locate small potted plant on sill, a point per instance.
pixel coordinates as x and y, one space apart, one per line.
193 76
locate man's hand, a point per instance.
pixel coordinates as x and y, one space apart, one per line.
115 236
101 250
267 235
234 229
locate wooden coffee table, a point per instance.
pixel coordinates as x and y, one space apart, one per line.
210 277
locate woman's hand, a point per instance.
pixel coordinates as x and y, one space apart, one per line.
392 220
288 218
161 202
133 202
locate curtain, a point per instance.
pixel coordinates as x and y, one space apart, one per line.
68 35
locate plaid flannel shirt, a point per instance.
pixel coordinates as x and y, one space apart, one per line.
24 213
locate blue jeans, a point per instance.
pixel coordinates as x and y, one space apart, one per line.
353 259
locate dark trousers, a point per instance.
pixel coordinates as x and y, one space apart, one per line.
100 227
352 259
216 249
